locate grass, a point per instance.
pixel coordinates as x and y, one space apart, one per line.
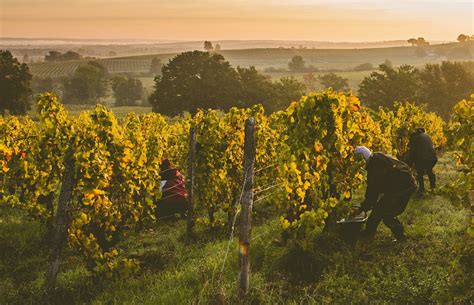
174 271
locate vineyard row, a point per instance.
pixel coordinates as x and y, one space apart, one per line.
95 177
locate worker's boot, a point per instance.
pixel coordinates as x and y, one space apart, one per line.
396 227
371 226
432 178
400 238
399 233
421 184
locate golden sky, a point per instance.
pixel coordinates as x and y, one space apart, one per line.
331 20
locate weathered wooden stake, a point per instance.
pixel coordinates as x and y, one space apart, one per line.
61 222
192 156
246 211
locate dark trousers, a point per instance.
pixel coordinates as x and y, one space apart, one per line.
171 206
422 169
387 209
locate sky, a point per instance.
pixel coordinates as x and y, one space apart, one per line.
330 20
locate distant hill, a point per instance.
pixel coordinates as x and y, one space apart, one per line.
325 59
38 48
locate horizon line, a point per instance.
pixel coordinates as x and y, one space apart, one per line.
212 40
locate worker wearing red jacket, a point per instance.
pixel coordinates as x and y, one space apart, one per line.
174 199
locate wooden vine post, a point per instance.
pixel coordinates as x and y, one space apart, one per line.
61 222
246 210
191 161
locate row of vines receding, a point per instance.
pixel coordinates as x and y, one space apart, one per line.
305 166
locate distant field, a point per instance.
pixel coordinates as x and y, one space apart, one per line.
60 69
354 77
330 58
343 59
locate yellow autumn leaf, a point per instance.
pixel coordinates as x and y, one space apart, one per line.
318 147
306 185
300 193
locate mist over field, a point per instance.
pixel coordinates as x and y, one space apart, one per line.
126 47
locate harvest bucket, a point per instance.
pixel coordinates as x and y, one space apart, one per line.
351 227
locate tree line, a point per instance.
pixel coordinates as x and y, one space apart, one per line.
194 80
87 85
437 85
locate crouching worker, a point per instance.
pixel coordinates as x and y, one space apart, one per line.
423 155
392 181
174 198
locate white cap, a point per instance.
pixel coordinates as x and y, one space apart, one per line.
364 151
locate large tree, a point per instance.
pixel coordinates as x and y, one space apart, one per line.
286 90
384 87
297 64
412 41
127 90
193 80
336 82
463 38
208 46
255 87
259 89
14 84
422 42
42 84
87 84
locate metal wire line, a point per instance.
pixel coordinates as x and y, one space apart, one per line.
231 237
266 196
268 166
268 188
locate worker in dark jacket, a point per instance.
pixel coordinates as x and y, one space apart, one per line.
392 181
174 198
423 155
